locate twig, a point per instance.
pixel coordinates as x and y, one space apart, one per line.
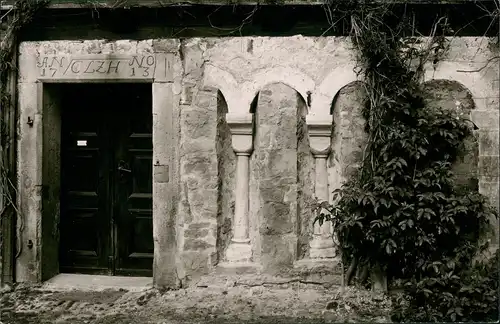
482 68
23 12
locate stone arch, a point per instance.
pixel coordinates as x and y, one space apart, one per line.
226 85
478 86
453 95
293 78
280 177
328 89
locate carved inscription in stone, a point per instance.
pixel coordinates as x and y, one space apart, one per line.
99 67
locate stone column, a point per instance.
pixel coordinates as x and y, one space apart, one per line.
321 246
240 250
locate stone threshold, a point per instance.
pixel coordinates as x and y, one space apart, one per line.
70 281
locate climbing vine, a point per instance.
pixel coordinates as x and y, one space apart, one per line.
12 23
401 213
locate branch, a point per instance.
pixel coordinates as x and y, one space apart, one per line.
483 67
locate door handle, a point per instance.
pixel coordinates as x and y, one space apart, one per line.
120 168
123 167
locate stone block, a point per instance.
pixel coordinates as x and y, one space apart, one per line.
491 103
198 123
145 47
166 45
495 84
194 265
190 148
490 190
485 178
201 166
279 219
486 119
187 94
94 46
199 226
195 233
205 99
122 46
163 126
489 142
29 164
278 253
27 63
164 70
164 235
196 244
489 166
192 59
30 99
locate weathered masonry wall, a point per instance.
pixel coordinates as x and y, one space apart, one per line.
246 132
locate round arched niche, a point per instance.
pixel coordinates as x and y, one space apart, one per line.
348 135
453 96
281 178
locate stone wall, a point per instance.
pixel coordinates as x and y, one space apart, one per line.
348 136
291 86
226 168
305 185
274 170
198 206
450 95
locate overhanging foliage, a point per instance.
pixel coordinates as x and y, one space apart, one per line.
401 210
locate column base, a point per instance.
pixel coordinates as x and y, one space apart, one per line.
238 252
238 268
322 248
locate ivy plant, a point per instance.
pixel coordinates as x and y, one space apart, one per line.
401 211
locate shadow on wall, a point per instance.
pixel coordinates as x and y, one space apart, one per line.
226 161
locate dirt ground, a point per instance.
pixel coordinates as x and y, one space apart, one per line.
295 302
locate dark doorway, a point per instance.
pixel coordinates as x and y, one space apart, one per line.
106 179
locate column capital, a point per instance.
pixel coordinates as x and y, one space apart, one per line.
320 138
241 126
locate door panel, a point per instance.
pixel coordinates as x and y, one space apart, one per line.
84 222
106 203
135 211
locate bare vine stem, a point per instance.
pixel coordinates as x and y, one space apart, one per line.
20 15
483 67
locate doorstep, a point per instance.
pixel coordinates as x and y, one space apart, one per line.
84 282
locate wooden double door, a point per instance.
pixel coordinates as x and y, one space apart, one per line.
106 179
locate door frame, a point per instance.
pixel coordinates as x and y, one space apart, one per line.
37 226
